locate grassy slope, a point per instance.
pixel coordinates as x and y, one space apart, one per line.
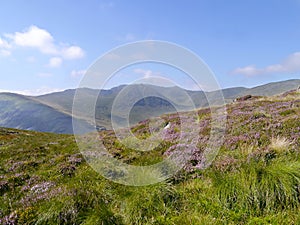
255 179
273 88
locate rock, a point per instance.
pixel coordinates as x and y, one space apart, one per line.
243 98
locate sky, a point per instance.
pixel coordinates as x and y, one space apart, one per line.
48 46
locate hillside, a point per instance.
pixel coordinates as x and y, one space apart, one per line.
273 88
255 179
33 113
22 112
155 106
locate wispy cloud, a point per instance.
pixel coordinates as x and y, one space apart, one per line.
5 52
146 73
55 62
34 92
289 65
4 44
127 38
77 73
4 48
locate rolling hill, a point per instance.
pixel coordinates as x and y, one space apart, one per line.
53 112
255 178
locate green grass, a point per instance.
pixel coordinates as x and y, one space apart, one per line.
255 178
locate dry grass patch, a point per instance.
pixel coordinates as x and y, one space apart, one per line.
280 144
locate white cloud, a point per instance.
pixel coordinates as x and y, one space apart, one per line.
55 62
36 38
78 73
290 65
41 39
4 52
73 52
146 73
4 48
4 44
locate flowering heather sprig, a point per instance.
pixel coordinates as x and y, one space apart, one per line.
42 191
10 219
75 159
29 183
234 140
187 156
16 166
42 187
170 134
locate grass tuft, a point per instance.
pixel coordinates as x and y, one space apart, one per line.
280 144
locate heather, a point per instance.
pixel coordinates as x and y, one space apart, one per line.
255 178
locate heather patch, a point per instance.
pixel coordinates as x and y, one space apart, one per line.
255 178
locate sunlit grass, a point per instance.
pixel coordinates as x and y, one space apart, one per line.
255 178
280 144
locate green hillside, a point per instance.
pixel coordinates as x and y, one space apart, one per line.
53 112
255 179
63 100
273 88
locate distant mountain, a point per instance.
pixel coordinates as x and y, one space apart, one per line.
17 111
273 88
53 112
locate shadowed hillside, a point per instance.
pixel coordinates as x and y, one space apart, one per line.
22 112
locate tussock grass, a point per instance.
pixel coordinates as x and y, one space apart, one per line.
280 144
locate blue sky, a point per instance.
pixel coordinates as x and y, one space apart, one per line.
48 45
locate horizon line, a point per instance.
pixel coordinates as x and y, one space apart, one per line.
27 92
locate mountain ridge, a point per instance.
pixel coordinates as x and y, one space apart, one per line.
53 112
